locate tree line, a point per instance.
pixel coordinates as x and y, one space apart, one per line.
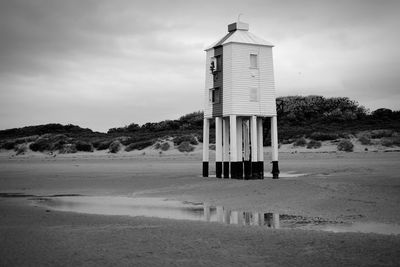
297 116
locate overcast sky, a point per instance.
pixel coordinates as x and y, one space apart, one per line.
102 64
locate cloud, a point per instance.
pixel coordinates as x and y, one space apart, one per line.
102 64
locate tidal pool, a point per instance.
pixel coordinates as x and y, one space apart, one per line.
178 210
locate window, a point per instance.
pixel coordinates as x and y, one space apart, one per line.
214 96
253 61
253 94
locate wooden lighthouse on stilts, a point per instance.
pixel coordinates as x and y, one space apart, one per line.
239 93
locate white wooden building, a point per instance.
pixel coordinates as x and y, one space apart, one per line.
239 92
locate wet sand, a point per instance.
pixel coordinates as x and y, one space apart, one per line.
350 187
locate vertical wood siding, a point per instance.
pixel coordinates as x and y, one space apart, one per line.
218 83
227 80
208 85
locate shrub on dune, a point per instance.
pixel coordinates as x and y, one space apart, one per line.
40 145
84 146
300 142
139 145
21 148
9 145
68 149
165 146
345 145
185 138
59 145
114 147
102 145
49 142
390 141
314 144
364 139
185 147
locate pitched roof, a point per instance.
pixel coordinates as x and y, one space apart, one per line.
240 35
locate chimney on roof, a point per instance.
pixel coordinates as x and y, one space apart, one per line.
238 26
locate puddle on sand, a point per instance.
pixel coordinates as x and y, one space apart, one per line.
173 209
159 208
112 205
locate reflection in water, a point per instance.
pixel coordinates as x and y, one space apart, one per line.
227 216
173 209
160 208
148 207
207 212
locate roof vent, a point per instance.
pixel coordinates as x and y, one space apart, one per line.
238 26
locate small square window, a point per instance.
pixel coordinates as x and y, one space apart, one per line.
253 61
253 94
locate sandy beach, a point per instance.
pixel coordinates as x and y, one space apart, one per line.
121 122
336 186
